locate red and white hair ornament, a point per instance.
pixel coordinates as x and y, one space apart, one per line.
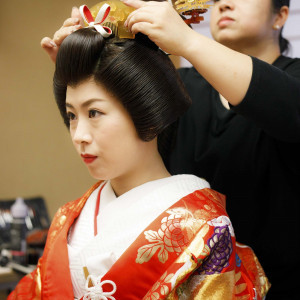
96 23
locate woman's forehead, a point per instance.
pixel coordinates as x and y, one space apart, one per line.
87 91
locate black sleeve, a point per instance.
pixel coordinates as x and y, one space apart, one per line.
183 72
273 99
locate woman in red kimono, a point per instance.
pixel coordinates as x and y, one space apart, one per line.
138 233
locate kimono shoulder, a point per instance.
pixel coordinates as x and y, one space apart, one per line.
188 252
45 282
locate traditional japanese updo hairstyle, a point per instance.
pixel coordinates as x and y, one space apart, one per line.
135 71
283 43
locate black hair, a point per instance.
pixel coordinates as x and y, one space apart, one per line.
283 43
135 71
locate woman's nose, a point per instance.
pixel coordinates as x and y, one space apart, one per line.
82 133
225 5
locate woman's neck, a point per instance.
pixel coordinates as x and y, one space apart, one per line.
267 52
151 169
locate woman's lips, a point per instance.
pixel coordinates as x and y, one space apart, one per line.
88 158
223 22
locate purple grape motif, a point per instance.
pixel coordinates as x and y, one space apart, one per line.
220 245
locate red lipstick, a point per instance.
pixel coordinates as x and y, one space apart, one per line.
88 158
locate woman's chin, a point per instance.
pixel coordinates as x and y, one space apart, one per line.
98 176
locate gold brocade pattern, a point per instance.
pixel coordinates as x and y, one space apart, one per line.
188 268
197 247
213 197
183 234
38 288
252 264
180 228
206 287
239 288
160 288
188 283
263 280
216 286
174 235
183 6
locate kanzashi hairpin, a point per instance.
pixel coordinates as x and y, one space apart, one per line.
115 19
98 21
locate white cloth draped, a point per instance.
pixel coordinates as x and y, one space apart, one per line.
120 221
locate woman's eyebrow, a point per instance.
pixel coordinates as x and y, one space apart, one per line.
69 105
86 103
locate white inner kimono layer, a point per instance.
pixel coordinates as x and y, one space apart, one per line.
120 221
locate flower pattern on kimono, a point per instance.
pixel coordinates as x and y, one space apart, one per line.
212 205
161 288
222 221
221 248
240 289
174 235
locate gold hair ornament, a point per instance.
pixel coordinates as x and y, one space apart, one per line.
191 8
116 17
118 13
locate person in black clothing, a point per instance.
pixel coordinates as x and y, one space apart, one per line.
242 133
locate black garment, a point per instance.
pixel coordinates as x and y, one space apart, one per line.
251 153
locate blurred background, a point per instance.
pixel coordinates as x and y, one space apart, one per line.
36 154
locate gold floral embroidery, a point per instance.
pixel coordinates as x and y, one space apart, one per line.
245 297
240 288
206 287
208 212
217 198
160 288
197 246
174 235
238 276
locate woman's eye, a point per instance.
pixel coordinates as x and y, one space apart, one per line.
94 113
71 116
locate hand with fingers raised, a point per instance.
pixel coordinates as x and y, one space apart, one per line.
70 25
161 23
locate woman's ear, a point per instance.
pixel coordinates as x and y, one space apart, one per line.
281 17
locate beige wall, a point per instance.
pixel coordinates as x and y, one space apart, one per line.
36 154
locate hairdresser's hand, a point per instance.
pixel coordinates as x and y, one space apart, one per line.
70 25
161 23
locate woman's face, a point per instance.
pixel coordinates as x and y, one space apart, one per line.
103 133
242 23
